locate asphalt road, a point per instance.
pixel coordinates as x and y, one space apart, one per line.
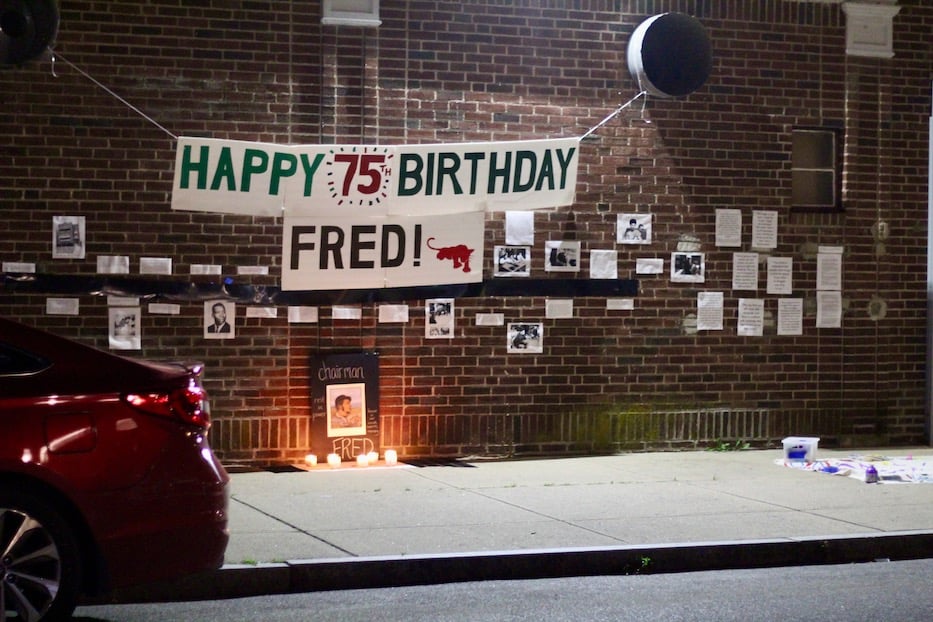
880 591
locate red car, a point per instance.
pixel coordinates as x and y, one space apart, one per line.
106 475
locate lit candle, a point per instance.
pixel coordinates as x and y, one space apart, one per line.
391 457
311 460
333 460
373 457
362 460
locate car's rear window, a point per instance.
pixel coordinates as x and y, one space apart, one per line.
16 362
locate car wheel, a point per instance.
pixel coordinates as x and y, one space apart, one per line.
39 562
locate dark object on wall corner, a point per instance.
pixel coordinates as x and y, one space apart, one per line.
27 29
670 55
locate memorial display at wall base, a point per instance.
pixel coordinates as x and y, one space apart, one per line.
345 404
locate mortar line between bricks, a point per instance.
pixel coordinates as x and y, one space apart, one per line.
295 527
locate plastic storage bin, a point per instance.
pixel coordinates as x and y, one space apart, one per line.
800 448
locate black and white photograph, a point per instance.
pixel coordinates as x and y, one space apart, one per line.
68 237
633 229
439 318
219 319
124 331
526 337
562 256
687 268
512 261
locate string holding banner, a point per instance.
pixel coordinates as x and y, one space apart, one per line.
612 115
56 56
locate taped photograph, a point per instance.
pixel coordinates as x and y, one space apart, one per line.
439 318
687 268
124 328
68 237
219 319
562 256
512 261
526 338
633 229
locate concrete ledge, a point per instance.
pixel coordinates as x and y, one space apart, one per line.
356 573
394 571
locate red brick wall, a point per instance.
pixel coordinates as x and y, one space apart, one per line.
493 70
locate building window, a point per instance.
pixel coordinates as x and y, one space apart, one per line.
816 169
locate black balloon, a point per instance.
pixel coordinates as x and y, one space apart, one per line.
27 28
669 55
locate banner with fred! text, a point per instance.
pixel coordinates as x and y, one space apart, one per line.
360 252
375 214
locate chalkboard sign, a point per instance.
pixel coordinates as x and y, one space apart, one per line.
345 404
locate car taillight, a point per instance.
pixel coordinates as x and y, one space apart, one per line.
187 404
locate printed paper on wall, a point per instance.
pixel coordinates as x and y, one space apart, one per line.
219 319
439 318
633 229
520 228
790 316
68 237
525 338
512 261
745 271
780 275
125 328
764 229
751 317
728 227
604 264
710 310
562 256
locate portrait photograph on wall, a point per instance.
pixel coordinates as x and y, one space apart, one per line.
633 229
219 319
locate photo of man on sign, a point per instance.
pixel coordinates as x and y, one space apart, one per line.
346 415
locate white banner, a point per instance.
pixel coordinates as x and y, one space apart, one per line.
260 179
363 252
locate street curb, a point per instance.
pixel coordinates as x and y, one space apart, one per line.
297 576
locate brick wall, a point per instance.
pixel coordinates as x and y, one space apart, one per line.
492 70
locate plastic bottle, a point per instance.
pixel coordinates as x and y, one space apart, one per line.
871 474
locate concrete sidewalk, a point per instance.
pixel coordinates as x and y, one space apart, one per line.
646 512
